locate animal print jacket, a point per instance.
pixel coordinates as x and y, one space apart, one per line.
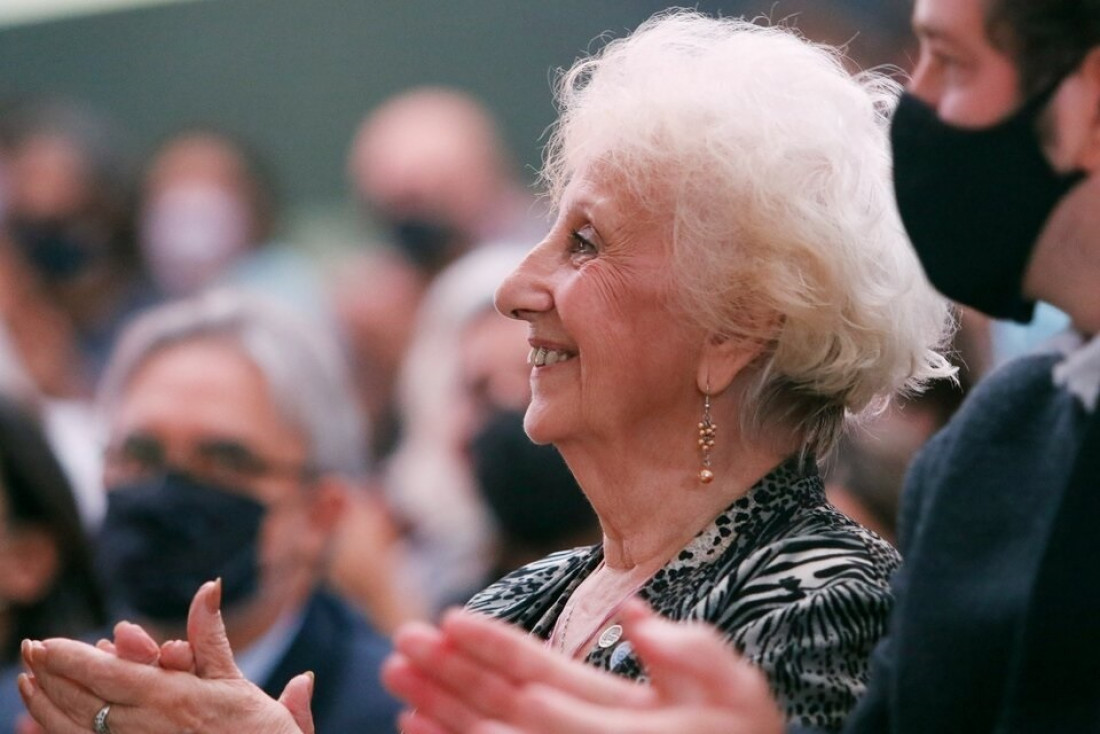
796 586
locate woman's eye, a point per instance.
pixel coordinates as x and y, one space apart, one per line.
582 242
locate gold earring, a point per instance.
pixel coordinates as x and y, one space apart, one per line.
706 440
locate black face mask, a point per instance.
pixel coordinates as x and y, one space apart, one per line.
974 202
52 250
428 243
164 537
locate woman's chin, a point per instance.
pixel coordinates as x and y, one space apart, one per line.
537 426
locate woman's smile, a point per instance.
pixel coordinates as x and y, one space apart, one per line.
547 357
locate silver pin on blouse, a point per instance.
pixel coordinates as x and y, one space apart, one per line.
610 636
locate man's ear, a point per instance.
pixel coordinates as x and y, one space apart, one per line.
330 500
1087 99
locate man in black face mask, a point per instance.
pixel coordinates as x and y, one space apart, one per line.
995 147
233 441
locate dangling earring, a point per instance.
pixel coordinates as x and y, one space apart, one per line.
706 440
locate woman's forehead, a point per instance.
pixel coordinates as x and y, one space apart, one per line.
603 191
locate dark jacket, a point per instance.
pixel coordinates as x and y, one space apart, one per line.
345 654
977 519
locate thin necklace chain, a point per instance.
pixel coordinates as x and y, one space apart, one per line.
561 628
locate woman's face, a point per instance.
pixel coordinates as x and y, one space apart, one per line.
612 355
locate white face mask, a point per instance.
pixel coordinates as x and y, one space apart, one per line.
191 235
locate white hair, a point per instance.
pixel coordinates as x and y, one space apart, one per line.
773 164
304 368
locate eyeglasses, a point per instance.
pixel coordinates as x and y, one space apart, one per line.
222 462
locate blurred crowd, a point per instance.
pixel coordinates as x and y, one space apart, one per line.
452 494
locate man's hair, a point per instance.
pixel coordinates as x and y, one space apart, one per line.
303 366
1047 38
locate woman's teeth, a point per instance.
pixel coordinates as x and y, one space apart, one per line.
543 357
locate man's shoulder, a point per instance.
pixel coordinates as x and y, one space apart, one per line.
341 621
1014 402
1012 440
345 653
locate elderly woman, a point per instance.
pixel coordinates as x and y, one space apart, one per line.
726 283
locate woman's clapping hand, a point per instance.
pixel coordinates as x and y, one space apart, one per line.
179 686
474 674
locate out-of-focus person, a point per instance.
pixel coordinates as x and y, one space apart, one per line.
70 271
428 479
47 583
429 169
209 218
726 256
233 443
69 225
536 505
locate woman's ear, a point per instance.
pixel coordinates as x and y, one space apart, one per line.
723 358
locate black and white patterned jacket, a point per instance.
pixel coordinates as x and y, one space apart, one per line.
796 586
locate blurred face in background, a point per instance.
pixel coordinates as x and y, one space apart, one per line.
493 369
202 410
200 213
426 168
54 215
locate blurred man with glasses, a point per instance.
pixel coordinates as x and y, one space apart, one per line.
234 439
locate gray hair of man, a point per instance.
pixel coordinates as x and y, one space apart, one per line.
304 368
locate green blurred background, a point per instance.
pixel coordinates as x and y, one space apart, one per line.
296 76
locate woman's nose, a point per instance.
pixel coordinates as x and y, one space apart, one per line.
526 291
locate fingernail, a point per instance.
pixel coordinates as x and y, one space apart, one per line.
312 681
37 652
25 651
214 600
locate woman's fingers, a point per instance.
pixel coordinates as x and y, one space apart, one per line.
177 655
59 662
43 710
134 644
206 633
693 669
480 687
525 659
296 698
413 722
495 727
26 725
427 696
690 663
545 710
